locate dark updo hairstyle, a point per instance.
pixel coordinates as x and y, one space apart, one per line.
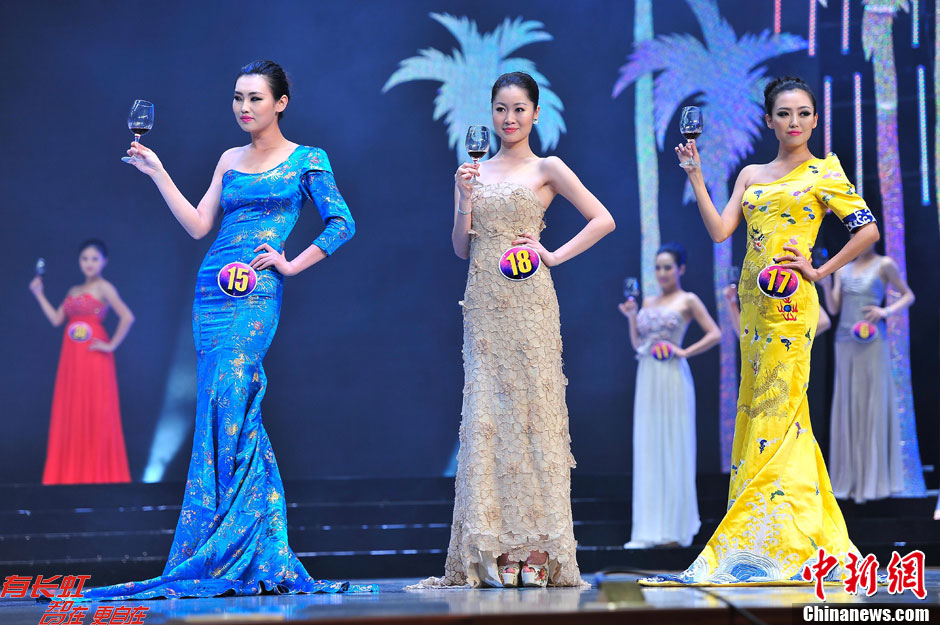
787 83
675 250
517 79
98 244
275 76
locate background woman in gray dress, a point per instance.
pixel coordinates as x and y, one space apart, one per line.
864 449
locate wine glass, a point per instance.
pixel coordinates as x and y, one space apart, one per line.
690 125
478 144
631 287
139 121
734 274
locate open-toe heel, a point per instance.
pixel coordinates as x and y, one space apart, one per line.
535 575
509 575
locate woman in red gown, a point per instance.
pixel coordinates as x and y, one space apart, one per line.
86 441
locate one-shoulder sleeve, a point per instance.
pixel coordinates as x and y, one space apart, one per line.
837 194
319 186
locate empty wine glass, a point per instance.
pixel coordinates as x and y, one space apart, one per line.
631 287
691 124
139 121
478 144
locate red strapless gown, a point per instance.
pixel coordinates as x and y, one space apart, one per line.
86 441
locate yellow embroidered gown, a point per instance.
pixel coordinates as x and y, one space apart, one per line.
780 503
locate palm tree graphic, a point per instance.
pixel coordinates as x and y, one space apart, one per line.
726 75
467 75
878 44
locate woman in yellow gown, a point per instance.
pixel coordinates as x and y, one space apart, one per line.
780 505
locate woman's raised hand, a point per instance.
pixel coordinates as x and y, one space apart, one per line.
686 151
628 308
731 294
464 178
144 159
35 286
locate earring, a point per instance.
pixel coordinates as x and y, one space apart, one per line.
535 121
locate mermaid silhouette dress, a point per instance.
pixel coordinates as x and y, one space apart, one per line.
781 508
231 537
513 484
86 441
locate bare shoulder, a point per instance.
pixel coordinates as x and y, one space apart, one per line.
552 162
886 262
230 157
102 289
887 266
693 302
749 172
552 167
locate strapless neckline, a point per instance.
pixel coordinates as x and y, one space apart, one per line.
518 186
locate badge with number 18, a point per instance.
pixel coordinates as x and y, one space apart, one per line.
519 263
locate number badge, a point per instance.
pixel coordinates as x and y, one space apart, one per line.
662 351
79 331
237 279
864 332
519 263
778 282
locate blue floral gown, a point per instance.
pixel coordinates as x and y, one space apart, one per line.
231 537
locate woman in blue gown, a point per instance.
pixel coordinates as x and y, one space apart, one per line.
231 537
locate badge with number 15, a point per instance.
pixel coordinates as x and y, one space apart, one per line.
237 279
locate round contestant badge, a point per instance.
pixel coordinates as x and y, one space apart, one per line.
519 263
662 351
864 332
237 279
778 282
79 331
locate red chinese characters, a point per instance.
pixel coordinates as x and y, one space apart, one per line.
862 573
819 570
907 573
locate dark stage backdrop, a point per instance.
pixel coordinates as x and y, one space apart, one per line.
365 373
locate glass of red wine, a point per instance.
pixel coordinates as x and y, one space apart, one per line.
631 287
478 144
139 122
690 125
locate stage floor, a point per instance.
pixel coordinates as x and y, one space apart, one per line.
554 605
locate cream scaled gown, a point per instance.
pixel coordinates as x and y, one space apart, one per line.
513 486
